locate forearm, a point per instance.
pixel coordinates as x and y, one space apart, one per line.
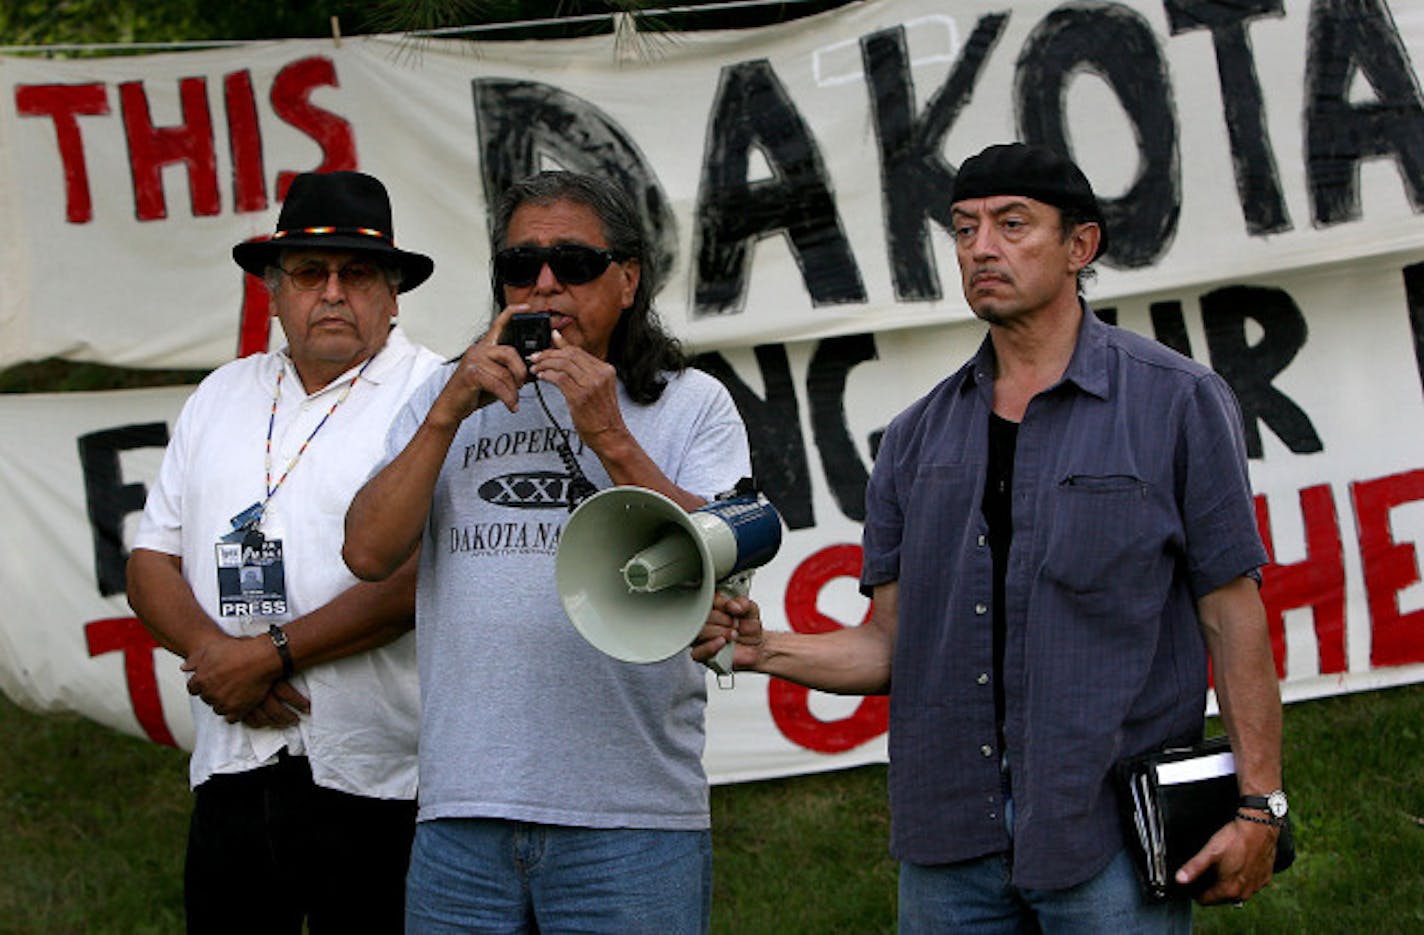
1253 721
230 674
589 386
165 605
363 617
845 662
1247 689
628 464
387 516
1234 624
849 661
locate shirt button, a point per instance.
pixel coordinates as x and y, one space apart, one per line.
981 609
982 540
987 750
983 678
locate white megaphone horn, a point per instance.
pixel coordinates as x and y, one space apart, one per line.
636 572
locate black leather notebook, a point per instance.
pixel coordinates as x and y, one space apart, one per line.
1173 801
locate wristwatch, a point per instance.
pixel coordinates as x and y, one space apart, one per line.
1273 804
279 640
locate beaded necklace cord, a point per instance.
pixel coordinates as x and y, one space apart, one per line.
272 420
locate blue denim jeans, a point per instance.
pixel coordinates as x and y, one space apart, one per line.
976 897
488 875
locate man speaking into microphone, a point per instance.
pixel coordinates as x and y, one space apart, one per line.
559 788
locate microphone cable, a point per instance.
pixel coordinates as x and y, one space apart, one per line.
580 487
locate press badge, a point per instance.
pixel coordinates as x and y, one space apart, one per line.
251 581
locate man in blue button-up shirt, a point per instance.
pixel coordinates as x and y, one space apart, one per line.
1056 538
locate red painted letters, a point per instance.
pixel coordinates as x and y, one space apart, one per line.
1390 567
291 91
151 148
249 185
127 635
255 331
1316 581
65 103
790 703
191 141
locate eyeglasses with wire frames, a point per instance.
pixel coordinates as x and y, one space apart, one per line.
357 276
572 264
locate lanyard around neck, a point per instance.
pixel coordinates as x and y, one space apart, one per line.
272 420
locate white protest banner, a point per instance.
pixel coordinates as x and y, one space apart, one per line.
1341 512
74 470
1263 175
794 176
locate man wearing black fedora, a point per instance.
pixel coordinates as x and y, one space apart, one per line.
1057 538
305 700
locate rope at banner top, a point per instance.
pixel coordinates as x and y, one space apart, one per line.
416 33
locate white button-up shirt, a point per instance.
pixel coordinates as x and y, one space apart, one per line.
362 731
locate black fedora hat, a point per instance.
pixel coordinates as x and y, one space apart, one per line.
335 211
1035 172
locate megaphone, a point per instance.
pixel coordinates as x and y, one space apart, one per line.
636 572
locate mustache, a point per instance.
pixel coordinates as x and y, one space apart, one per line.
981 272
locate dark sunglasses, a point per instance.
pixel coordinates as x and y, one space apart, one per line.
571 263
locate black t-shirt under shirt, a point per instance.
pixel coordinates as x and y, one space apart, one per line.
997 506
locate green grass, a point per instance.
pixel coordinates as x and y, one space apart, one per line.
92 827
805 854
1355 772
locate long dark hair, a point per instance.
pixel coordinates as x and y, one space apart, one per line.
640 350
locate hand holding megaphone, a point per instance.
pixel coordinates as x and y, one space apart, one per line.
636 573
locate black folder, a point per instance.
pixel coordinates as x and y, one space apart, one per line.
1173 801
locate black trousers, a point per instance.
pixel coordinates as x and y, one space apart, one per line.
269 848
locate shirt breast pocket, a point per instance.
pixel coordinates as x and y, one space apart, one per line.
1101 534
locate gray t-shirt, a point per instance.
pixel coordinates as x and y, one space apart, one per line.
520 717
